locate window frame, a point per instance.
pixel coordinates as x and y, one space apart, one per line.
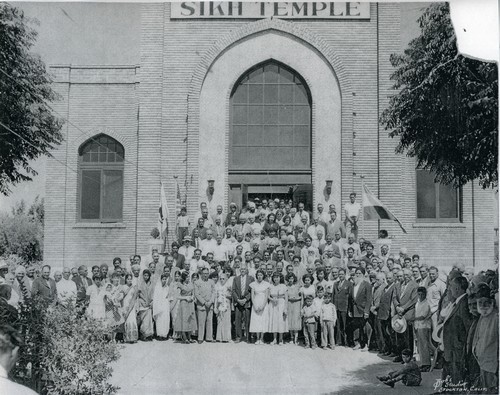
102 167
438 220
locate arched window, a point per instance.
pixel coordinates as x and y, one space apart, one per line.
271 121
100 180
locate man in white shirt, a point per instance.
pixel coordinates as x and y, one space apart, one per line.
208 245
435 291
196 264
352 210
66 288
323 217
220 250
187 249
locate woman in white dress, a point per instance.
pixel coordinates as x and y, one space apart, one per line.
278 304
174 299
96 293
161 307
259 320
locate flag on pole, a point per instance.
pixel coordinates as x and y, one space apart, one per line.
374 209
178 200
163 213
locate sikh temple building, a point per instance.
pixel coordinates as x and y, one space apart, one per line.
237 100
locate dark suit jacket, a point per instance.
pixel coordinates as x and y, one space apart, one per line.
361 303
81 292
384 308
41 288
408 299
239 293
179 262
341 296
455 331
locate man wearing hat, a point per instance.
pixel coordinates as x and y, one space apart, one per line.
455 328
187 249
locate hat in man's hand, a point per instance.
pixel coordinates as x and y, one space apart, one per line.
398 324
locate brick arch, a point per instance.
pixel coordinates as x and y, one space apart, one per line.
294 32
93 133
290 28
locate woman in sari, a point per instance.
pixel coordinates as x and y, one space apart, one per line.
112 301
174 299
223 308
161 306
145 311
129 311
96 293
185 321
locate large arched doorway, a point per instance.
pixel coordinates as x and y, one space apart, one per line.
270 135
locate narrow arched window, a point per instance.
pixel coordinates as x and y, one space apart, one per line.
100 180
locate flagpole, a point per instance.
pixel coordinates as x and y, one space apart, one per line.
362 193
176 213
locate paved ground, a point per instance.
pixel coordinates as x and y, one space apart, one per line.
213 368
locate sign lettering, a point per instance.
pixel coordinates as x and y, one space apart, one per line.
259 10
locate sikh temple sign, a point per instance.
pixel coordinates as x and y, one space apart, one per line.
257 10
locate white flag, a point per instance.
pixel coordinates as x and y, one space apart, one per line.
163 213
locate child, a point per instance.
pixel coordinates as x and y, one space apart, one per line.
409 374
309 314
327 318
318 302
182 224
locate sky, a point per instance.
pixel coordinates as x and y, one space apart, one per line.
107 34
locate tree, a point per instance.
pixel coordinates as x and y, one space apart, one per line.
21 232
25 94
446 110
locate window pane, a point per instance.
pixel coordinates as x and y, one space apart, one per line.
240 96
255 136
286 115
255 115
271 93
271 74
240 135
255 93
426 195
286 94
240 114
112 203
271 136
90 194
448 207
301 94
271 115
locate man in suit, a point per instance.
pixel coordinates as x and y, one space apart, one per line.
405 307
242 298
377 292
359 309
342 292
384 316
204 293
82 283
178 258
455 328
44 286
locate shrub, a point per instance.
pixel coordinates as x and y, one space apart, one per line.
65 352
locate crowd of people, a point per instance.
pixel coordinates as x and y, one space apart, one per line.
274 273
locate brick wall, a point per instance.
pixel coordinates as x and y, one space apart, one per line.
98 100
175 57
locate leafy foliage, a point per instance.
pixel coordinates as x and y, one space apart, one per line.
446 109
65 352
25 91
21 231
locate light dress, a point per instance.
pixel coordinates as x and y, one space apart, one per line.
259 322
277 323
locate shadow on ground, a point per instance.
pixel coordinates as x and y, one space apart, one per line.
369 384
